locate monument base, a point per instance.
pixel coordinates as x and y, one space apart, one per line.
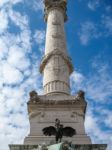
77 139
56 147
43 111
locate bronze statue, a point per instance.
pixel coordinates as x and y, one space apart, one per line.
66 146
59 131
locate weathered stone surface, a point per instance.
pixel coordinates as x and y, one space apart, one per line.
56 66
59 147
56 102
70 110
56 4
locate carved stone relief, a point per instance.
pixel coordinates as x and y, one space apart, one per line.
56 23
34 114
57 36
74 116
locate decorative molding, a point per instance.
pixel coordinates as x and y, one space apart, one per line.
57 36
55 4
55 86
36 113
34 96
56 23
74 116
60 102
56 52
74 146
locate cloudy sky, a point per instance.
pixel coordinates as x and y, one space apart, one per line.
89 42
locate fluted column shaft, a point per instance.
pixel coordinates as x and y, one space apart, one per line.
55 35
56 66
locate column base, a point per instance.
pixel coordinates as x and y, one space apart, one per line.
78 139
56 147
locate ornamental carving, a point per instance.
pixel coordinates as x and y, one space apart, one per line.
74 116
57 36
56 52
36 113
56 23
80 95
34 96
59 4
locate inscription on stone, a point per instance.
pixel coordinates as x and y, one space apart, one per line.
56 23
57 36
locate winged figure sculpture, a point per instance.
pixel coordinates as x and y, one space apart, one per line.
59 131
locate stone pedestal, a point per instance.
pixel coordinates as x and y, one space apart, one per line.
74 147
43 111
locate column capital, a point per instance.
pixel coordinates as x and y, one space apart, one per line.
51 4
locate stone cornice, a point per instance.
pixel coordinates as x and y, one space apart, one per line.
74 101
79 98
51 103
56 52
36 108
55 4
74 147
39 107
56 101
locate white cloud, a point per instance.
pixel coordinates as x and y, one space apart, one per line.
98 88
2 2
18 19
15 1
109 120
4 142
25 37
17 58
3 49
93 4
93 128
18 75
106 115
107 23
88 32
13 114
11 75
97 85
78 77
39 36
3 20
109 147
36 5
108 8
9 2
76 81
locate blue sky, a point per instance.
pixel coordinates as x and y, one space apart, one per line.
22 40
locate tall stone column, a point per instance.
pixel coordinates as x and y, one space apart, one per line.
56 65
56 101
56 68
